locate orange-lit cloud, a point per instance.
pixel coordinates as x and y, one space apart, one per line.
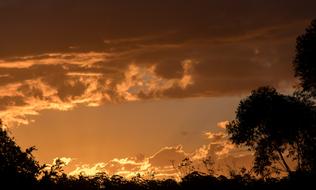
222 124
83 59
65 81
88 170
165 162
64 160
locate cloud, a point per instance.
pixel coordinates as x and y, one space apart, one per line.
168 156
166 162
65 81
85 169
64 160
222 124
215 136
83 59
146 82
102 26
160 163
219 136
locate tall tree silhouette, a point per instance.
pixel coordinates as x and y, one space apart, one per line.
305 60
272 124
17 167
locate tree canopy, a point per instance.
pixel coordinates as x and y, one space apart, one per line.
305 59
273 124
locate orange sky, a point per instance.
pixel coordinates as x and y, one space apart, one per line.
127 86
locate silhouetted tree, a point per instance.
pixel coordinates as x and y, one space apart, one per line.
305 60
272 124
52 174
307 134
17 167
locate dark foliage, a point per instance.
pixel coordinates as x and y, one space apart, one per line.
305 60
272 124
192 181
17 168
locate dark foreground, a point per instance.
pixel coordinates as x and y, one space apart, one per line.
194 181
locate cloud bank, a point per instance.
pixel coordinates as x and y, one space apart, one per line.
64 81
219 155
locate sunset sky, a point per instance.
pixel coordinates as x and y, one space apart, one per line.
130 86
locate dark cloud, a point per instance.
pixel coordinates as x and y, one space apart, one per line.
37 26
7 101
31 91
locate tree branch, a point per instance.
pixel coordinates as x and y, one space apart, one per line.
288 169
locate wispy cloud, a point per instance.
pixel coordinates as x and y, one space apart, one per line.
83 59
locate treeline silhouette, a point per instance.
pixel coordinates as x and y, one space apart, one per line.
277 128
